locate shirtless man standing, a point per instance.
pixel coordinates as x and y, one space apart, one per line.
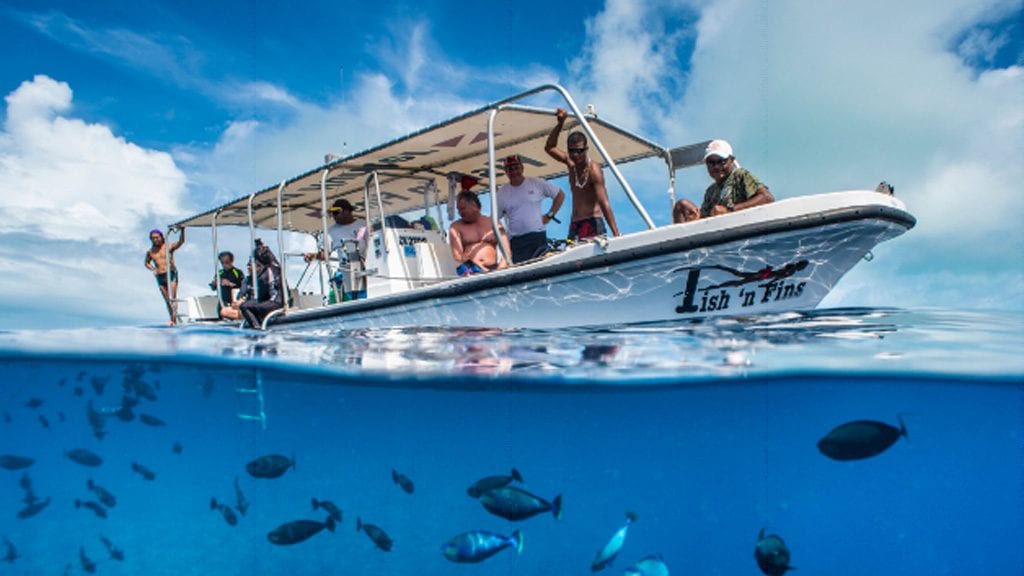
156 262
472 238
586 180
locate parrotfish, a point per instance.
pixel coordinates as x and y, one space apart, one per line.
270 466
94 506
229 515
653 565
115 552
87 564
141 470
32 509
491 482
771 554
479 545
514 503
34 403
329 506
607 554
378 536
403 481
84 457
11 462
298 531
151 420
102 494
860 439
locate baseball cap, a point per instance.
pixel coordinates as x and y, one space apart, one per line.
719 148
341 204
513 159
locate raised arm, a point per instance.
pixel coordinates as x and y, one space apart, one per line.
551 147
181 240
597 176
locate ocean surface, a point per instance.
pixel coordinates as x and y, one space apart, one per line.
709 432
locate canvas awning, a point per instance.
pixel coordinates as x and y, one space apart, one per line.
458 145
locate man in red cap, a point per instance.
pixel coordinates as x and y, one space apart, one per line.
519 202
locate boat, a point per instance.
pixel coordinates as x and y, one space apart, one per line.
779 257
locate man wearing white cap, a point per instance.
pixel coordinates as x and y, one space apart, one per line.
734 188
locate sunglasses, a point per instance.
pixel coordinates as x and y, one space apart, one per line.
717 161
577 150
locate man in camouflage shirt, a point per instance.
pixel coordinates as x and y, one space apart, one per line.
734 188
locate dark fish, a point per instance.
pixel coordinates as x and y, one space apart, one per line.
241 504
87 564
146 473
33 509
98 384
84 457
607 555
115 552
10 552
124 412
479 545
298 531
96 420
860 439
44 422
329 506
379 537
11 462
129 401
102 494
78 391
491 482
80 376
144 390
270 466
771 554
229 515
177 448
514 503
94 506
403 481
34 403
151 420
26 483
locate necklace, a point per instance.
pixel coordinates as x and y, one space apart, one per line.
581 182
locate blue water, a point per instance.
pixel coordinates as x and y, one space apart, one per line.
708 431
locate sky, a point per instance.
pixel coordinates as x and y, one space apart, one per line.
119 118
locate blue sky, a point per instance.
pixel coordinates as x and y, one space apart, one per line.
120 118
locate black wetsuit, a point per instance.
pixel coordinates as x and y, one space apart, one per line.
271 297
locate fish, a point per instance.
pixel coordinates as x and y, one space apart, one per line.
298 531
94 506
98 384
151 420
87 564
491 482
403 481
177 448
270 466
146 473
96 420
32 509
78 391
479 545
115 552
514 503
771 554
241 504
860 439
143 390
12 462
229 515
84 457
329 506
44 422
652 565
34 403
10 552
607 555
378 536
102 494
26 484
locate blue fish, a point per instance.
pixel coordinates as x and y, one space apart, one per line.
479 545
607 554
653 565
513 503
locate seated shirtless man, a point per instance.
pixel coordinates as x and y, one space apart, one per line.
590 206
472 239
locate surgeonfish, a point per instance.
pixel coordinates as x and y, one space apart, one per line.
34 508
84 457
653 565
10 552
87 564
270 466
479 545
241 504
141 470
115 552
102 494
403 481
513 503
491 482
12 462
151 420
225 510
607 554
330 507
94 506
860 439
298 531
379 537
771 554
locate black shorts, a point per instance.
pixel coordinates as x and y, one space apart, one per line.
528 246
161 279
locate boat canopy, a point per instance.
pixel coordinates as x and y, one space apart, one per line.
412 167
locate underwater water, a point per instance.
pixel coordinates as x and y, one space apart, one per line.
708 432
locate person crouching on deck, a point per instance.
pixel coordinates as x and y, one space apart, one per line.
472 238
157 263
270 291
